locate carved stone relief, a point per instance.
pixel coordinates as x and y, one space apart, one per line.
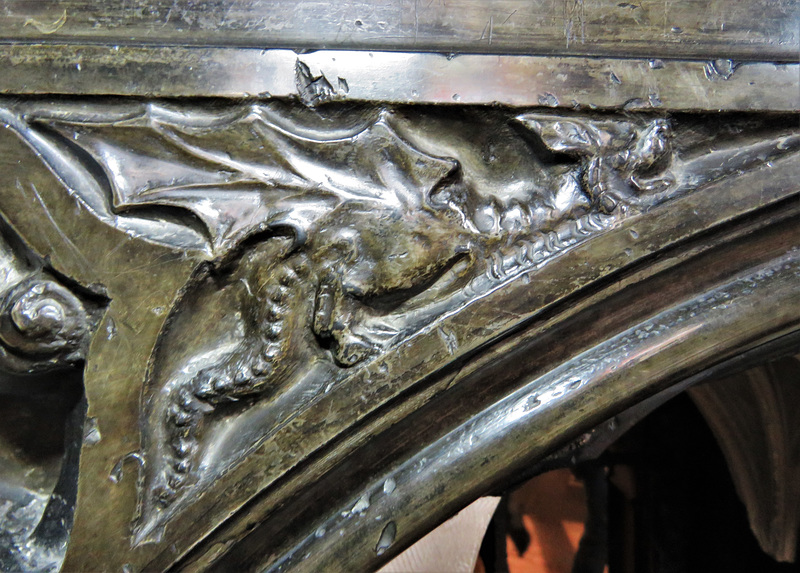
321 238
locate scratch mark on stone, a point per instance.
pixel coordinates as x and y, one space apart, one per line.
160 261
449 339
78 254
454 378
574 20
416 20
46 28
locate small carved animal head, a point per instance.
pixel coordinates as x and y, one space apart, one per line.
618 158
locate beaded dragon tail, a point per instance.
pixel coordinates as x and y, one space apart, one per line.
273 304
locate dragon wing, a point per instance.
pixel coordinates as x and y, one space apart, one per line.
205 180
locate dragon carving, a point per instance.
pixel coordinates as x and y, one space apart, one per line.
324 236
